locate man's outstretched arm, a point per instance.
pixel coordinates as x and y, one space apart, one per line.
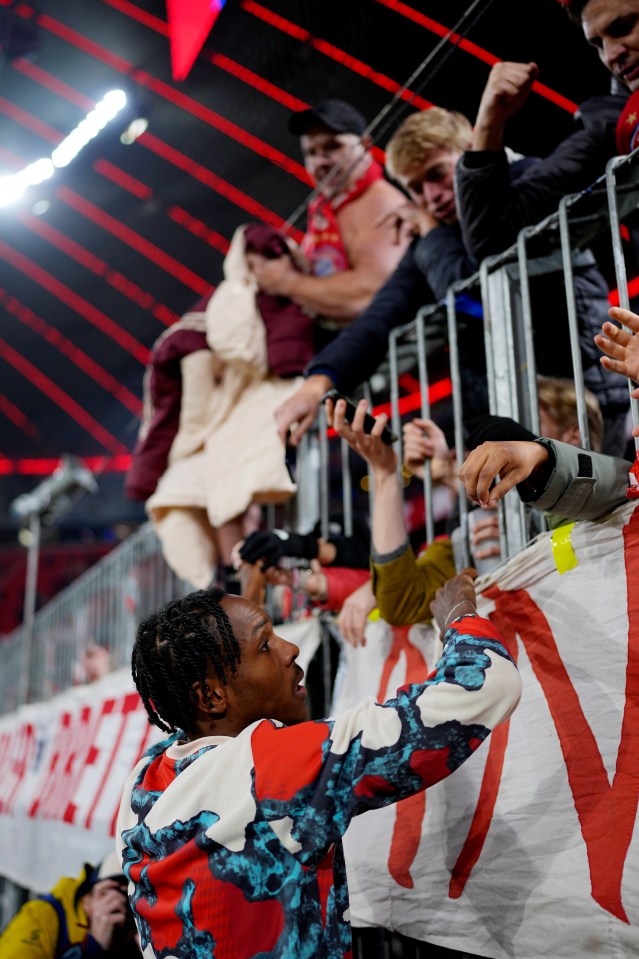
549 474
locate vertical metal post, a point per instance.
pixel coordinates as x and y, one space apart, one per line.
620 264
369 472
488 334
326 665
30 596
502 387
347 489
529 346
455 378
425 412
308 494
324 472
573 323
396 420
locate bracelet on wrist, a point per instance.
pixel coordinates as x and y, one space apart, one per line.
450 618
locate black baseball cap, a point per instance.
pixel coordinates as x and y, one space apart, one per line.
337 115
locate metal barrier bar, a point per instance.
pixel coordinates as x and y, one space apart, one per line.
573 326
488 332
455 378
92 606
347 488
396 420
424 394
620 262
308 497
133 580
502 386
324 467
371 490
527 324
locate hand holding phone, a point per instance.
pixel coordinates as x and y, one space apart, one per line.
387 436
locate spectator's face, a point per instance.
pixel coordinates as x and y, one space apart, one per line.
431 184
612 26
554 430
340 155
267 682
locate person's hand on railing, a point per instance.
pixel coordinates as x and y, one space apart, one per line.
511 462
299 411
370 446
621 348
505 93
408 220
423 439
354 614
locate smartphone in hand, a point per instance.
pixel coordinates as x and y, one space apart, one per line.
387 434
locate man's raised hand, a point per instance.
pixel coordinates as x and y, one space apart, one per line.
621 348
508 87
370 446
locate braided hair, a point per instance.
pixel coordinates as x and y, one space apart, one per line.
175 648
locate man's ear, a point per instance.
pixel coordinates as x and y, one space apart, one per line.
367 142
210 697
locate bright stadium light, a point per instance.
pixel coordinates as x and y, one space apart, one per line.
13 186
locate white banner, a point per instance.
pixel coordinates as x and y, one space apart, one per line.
62 767
531 849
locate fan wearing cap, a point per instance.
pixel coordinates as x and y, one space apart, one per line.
350 256
87 916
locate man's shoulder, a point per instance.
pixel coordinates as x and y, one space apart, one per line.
380 197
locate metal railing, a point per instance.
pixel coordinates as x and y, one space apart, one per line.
103 607
503 285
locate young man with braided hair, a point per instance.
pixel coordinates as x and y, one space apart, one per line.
230 830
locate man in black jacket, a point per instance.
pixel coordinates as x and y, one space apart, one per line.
423 155
492 209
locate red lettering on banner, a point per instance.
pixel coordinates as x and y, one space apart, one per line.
26 743
484 810
130 703
16 763
48 785
69 764
409 813
607 813
489 789
88 722
5 743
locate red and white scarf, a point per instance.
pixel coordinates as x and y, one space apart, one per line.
323 243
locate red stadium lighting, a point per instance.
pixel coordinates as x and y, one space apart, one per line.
189 25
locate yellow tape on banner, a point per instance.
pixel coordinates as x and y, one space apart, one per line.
562 551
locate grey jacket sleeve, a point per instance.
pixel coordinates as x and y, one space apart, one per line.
580 484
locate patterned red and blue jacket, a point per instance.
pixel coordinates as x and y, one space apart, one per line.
232 846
